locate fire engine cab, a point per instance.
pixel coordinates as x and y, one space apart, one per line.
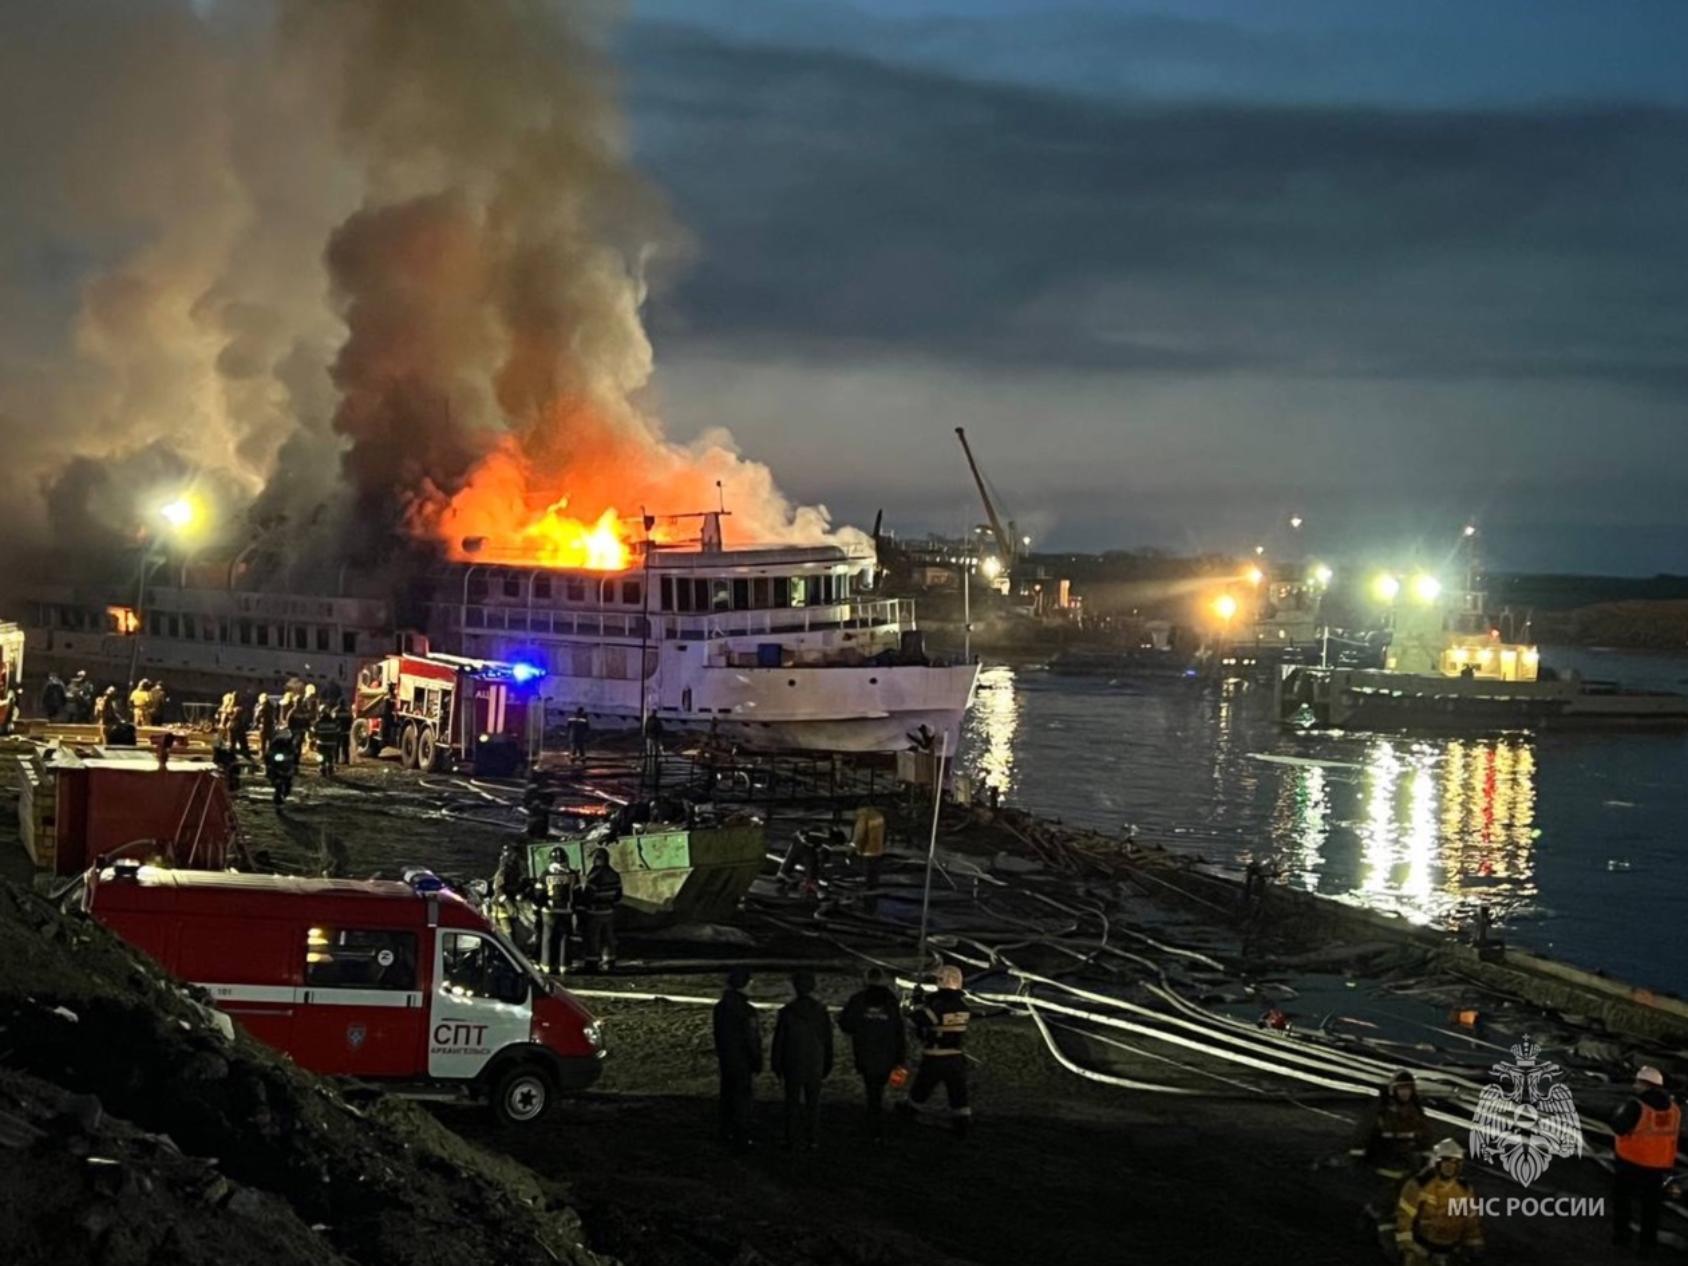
446 709
402 984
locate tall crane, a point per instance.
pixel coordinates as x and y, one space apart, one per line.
1006 540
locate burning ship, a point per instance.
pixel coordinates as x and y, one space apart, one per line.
772 647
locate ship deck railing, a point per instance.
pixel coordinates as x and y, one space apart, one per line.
701 627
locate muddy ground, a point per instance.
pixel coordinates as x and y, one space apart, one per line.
1056 1169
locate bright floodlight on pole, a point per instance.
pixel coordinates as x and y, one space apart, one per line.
1426 588
992 567
1321 576
1295 521
1386 588
1471 529
1225 606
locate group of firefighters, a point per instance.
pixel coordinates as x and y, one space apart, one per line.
1435 1213
567 907
801 1056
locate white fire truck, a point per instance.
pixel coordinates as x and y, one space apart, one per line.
439 710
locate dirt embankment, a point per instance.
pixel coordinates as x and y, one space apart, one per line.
133 1130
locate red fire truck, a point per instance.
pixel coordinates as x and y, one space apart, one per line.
401 984
447 709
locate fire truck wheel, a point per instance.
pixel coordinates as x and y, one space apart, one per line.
428 751
407 747
522 1095
363 742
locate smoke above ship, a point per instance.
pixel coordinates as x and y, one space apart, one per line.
359 271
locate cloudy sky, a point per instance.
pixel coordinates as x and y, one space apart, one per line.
1183 269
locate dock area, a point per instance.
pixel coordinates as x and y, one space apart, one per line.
1164 1058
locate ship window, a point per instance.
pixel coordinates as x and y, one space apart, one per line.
473 966
575 590
512 585
632 593
263 635
246 632
542 588
174 624
615 662
782 591
348 643
352 958
518 622
741 595
842 588
799 593
759 593
476 587
668 593
321 638
474 618
209 631
721 595
299 637
682 594
583 661
700 594
588 626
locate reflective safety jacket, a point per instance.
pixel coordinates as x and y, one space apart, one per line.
1650 1142
603 890
559 886
1430 1213
941 1020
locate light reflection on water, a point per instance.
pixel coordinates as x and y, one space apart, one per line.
1423 827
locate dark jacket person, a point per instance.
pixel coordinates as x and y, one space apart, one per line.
738 1050
802 1057
873 1021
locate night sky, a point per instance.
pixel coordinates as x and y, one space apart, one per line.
1185 269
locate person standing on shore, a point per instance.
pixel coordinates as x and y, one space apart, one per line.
263 715
1647 1127
873 1021
802 1059
941 1021
738 1051
601 894
580 733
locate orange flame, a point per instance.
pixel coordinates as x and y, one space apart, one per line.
124 620
558 540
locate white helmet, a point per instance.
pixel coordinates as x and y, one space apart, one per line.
1447 1149
1650 1075
949 977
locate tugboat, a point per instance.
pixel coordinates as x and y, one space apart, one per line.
1452 665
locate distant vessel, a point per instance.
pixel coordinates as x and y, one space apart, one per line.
1455 667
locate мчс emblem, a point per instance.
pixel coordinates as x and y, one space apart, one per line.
355 1033
1526 1120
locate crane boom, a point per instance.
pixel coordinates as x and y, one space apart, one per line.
1004 541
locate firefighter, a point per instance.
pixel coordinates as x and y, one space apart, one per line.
602 894
343 717
106 715
240 725
263 716
556 916
738 1051
388 716
140 702
325 734
1645 1149
580 732
156 699
941 1022
54 696
873 1021
1427 1219
802 1058
10 703
301 721
536 804
80 698
509 887
1397 1131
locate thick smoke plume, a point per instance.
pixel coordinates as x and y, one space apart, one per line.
356 268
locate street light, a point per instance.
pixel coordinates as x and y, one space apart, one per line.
181 513
1295 521
1426 588
1321 576
1225 606
1255 575
1470 529
992 567
1386 588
